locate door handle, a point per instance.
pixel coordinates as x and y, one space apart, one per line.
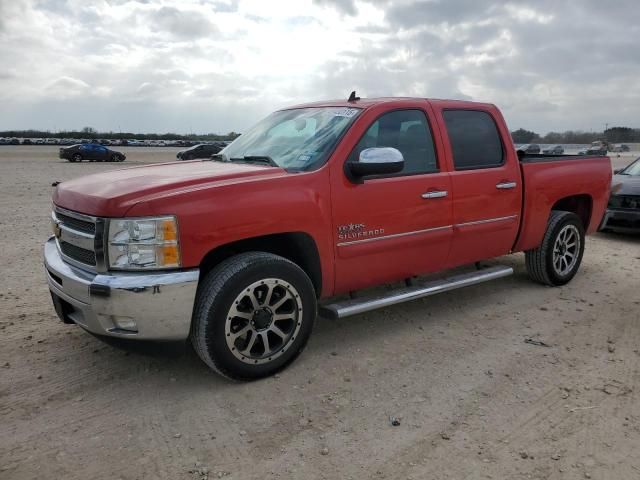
435 194
506 185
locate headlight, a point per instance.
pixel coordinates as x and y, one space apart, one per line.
143 243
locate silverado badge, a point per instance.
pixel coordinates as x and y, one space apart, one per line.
355 231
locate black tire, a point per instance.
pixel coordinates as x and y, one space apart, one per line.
115 158
540 262
76 157
213 318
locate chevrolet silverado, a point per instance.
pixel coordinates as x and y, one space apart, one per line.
239 252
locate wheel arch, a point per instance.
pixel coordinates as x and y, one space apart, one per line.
581 205
299 247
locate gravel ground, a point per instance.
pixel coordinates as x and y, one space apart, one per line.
470 398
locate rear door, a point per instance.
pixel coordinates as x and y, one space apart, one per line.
486 184
394 226
101 153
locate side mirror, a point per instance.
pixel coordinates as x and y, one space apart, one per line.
617 170
376 161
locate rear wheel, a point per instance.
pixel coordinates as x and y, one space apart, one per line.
558 258
254 314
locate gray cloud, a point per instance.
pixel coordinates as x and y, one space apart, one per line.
347 7
219 65
183 24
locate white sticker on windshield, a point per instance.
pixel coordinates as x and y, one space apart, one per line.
346 112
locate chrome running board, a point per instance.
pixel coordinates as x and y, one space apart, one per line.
425 289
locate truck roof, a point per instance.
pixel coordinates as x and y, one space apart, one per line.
370 102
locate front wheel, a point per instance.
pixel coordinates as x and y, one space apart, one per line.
254 314
76 157
556 261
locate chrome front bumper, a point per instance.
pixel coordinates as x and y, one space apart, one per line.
159 303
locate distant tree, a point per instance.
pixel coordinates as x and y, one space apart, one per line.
523 136
622 134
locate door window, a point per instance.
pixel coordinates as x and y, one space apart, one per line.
409 132
474 138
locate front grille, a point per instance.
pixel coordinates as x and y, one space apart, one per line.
77 224
79 254
625 202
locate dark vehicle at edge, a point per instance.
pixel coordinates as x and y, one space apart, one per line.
623 210
203 150
91 152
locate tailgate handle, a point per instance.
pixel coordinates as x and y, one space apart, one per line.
506 185
435 194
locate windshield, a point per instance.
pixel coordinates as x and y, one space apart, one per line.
633 169
298 139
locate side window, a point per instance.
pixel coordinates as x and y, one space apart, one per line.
409 132
474 138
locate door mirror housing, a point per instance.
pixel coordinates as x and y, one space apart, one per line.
617 170
375 161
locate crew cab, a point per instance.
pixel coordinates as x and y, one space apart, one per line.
239 252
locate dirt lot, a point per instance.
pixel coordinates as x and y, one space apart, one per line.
474 400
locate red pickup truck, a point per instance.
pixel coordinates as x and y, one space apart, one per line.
240 251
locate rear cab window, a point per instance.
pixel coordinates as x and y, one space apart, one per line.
474 138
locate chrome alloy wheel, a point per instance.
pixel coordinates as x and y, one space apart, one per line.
263 321
566 250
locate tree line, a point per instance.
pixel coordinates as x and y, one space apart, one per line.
611 135
92 134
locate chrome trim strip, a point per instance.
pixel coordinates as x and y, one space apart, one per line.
77 238
354 307
395 235
488 220
79 216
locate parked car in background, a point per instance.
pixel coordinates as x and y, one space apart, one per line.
555 150
598 151
623 210
531 148
620 148
600 145
27 141
203 150
92 152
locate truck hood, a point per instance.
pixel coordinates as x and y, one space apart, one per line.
112 194
625 185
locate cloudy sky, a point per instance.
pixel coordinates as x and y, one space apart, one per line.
220 65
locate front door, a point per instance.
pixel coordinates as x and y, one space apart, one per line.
392 227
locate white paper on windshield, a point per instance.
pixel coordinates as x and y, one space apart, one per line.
346 112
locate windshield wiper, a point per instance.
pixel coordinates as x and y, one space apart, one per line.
219 157
256 159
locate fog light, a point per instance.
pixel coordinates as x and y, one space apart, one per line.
125 323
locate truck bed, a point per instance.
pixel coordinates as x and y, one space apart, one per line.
550 180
